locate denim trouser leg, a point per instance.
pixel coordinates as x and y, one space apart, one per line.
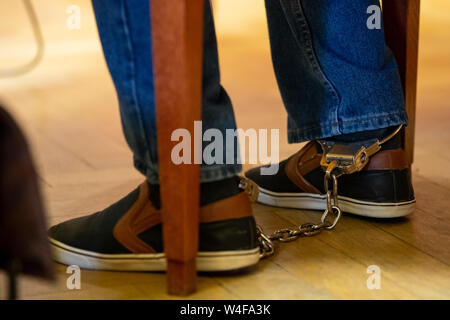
335 75
124 29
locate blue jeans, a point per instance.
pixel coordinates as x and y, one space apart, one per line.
336 76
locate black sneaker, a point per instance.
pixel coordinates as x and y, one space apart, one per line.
127 236
382 189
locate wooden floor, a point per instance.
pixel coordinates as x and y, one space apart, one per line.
68 109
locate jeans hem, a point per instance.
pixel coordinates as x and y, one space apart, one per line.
207 173
218 172
326 130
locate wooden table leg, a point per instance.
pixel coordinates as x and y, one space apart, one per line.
177 35
401 23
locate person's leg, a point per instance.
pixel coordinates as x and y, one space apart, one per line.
335 74
117 237
124 29
339 82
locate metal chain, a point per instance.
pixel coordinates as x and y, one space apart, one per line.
267 241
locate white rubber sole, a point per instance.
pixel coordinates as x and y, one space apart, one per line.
206 261
310 201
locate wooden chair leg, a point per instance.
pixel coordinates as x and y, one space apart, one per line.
177 36
401 23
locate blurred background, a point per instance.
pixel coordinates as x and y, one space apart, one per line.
67 107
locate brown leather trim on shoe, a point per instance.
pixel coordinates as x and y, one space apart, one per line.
308 159
235 207
131 224
301 163
143 215
388 160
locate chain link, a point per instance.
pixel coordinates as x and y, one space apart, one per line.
332 198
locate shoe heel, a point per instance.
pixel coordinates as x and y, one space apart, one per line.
177 63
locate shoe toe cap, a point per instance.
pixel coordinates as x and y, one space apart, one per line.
72 232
